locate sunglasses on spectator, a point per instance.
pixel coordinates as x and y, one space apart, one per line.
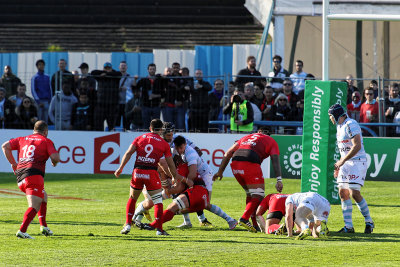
282 99
27 102
219 84
287 84
276 61
368 93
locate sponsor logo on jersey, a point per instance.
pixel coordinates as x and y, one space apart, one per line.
147 160
238 171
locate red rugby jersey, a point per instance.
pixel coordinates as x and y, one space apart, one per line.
150 147
33 152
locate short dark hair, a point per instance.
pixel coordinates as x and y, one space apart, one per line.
156 124
151 65
22 85
219 80
176 64
300 61
277 57
123 61
264 130
394 85
40 126
185 69
179 140
40 61
250 58
373 82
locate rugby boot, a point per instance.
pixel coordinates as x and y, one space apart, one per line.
126 229
346 230
138 224
206 223
185 225
304 234
20 234
369 227
246 224
147 215
147 226
45 231
232 224
324 232
161 232
282 230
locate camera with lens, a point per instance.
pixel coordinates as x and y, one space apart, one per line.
237 99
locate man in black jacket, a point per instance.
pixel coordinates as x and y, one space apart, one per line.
107 96
7 111
250 72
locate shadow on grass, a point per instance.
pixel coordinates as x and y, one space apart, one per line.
384 206
66 223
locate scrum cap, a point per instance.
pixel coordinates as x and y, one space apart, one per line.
336 111
168 127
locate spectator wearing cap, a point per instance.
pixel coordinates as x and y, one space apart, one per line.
277 74
7 111
41 91
21 94
84 67
107 96
298 77
249 74
9 81
353 109
62 76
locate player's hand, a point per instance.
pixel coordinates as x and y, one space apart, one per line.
54 164
189 182
279 186
118 172
335 173
14 167
216 176
338 164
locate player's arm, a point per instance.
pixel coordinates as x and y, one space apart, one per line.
278 172
356 141
164 166
175 175
55 159
289 219
225 160
8 154
127 156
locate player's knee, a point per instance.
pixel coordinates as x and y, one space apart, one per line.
148 204
157 198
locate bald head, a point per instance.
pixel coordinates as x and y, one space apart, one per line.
40 127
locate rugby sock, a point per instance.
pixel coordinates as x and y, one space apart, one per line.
251 207
201 216
42 214
158 215
167 216
139 218
253 219
140 209
218 211
28 217
130 210
363 207
186 218
347 210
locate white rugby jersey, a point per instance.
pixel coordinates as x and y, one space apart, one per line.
191 157
297 198
345 132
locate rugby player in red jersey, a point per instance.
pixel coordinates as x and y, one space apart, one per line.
275 204
247 155
149 148
33 152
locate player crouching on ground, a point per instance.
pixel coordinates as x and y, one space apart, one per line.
311 212
33 152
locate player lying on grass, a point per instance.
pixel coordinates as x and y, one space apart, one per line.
33 152
311 213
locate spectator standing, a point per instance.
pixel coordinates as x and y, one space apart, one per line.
21 94
298 77
350 87
199 109
41 90
107 96
281 111
288 91
392 106
249 74
26 113
277 74
125 93
62 76
369 109
133 111
82 114
151 94
60 111
85 75
259 97
9 81
374 86
241 113
7 111
353 109
268 103
215 100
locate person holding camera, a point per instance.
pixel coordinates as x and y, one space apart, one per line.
241 112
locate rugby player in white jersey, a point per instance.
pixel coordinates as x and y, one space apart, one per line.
311 213
351 169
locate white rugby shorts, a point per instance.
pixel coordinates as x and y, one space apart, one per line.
352 172
319 206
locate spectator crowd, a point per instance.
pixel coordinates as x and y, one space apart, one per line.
110 99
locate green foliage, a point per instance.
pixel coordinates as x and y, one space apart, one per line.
74 220
54 48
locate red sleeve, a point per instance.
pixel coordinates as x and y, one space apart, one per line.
265 202
167 151
51 149
14 143
274 147
135 141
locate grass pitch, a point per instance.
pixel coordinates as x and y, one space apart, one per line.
87 212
